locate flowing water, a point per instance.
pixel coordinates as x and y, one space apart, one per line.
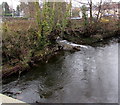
86 76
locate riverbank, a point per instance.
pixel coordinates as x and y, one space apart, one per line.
19 44
92 33
90 40
43 57
40 56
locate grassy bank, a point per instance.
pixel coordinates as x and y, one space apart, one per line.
21 49
97 31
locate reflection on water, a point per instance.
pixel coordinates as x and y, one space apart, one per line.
87 76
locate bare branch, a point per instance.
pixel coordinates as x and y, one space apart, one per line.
81 2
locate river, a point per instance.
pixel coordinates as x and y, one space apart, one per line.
86 76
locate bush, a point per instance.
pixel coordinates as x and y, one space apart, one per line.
18 45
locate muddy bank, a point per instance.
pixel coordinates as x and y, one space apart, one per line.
80 38
42 56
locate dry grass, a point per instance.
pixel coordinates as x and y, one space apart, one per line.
18 39
76 24
19 25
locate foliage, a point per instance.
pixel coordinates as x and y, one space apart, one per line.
65 17
84 15
48 21
17 47
43 25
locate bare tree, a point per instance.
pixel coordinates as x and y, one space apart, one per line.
99 10
90 6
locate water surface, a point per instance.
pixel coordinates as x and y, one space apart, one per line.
86 76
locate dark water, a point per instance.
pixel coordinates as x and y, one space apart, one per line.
86 76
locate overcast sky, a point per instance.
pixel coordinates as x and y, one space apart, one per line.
14 3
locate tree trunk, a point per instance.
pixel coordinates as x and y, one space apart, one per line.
90 4
99 10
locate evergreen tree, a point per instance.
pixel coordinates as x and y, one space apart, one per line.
6 10
18 10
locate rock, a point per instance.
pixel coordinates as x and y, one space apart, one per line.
59 88
38 102
46 94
